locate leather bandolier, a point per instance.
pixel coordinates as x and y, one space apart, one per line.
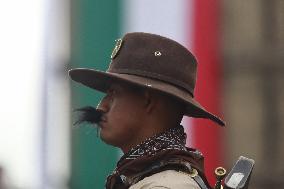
129 172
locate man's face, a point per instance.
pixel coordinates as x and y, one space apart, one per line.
123 115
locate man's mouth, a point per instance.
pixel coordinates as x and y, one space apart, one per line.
103 118
102 121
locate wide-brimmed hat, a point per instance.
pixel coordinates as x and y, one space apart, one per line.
151 61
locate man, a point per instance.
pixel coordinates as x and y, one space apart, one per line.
149 87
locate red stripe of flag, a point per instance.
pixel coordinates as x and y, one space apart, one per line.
208 136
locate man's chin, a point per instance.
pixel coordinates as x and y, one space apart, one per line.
108 140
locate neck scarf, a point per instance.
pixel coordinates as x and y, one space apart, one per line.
166 145
172 139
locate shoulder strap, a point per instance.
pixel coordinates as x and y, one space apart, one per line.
170 164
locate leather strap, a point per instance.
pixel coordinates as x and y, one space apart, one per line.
200 182
171 164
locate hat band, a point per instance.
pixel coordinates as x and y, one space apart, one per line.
157 76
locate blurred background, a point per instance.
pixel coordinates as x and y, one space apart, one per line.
240 48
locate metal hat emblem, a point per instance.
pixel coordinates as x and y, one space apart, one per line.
116 48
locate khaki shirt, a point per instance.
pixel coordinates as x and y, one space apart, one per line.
169 179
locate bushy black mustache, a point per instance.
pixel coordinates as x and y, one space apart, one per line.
88 114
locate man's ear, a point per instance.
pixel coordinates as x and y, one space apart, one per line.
150 101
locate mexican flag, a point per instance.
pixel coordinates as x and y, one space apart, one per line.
95 26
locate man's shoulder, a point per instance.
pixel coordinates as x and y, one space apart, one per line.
169 179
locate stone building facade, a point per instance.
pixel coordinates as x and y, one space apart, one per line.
253 56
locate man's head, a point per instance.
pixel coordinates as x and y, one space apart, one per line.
131 114
149 85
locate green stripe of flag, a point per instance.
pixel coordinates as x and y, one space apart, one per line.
95 26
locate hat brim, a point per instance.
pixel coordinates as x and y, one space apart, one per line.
101 81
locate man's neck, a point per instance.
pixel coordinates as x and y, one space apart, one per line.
172 139
152 136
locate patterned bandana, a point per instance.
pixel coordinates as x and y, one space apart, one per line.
163 146
172 139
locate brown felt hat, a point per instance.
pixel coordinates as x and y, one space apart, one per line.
151 61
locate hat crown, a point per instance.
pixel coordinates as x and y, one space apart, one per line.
155 57
154 61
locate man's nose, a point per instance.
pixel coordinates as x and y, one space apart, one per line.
103 105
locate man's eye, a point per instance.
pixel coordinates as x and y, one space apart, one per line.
109 92
112 92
